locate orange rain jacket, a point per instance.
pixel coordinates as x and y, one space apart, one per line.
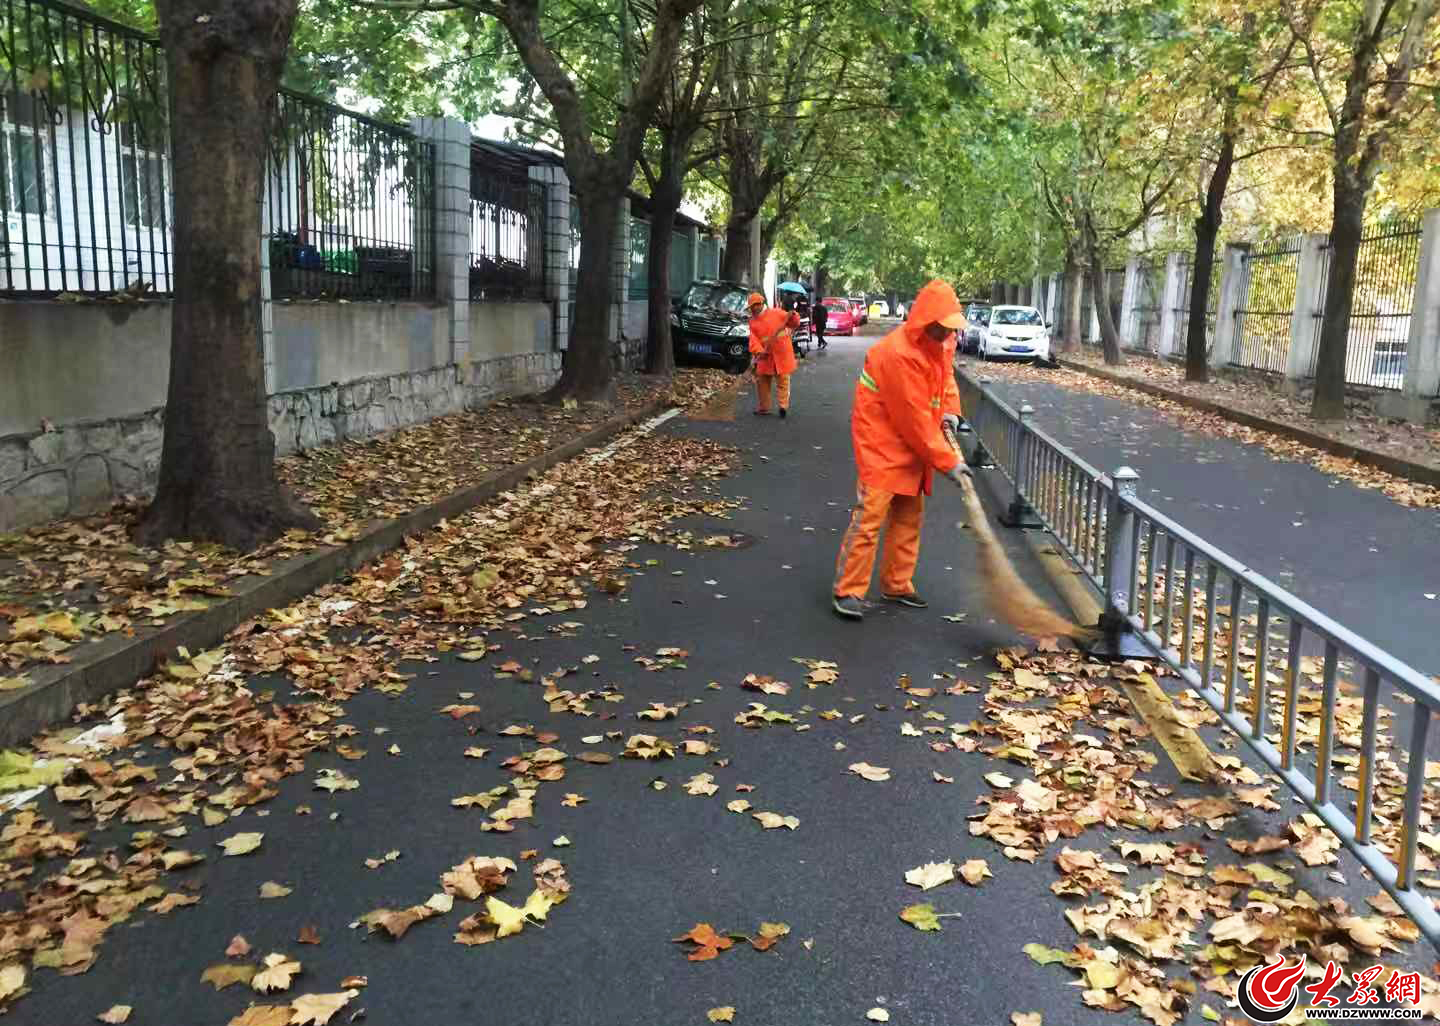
907 385
779 356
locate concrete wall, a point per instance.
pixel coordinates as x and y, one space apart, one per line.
83 386
322 343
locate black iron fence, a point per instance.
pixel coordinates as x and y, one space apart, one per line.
86 184
1380 306
507 234
1266 305
1182 302
349 205
84 165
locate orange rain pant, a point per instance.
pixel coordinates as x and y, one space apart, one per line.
782 389
900 516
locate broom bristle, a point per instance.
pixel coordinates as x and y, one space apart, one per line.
1009 597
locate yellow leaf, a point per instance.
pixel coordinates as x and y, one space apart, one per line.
507 918
1025 1019
271 889
725 1013
263 1015
869 772
1101 974
931 874
12 981
241 844
116 1015
772 820
975 870
317 1009
878 1015
922 917
538 905
276 975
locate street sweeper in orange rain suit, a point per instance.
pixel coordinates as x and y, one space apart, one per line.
773 351
905 393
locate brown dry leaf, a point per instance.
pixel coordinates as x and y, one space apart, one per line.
701 785
308 935
239 947
974 870
869 772
271 889
317 1009
573 800
276 975
769 935
116 1015
708 943
765 685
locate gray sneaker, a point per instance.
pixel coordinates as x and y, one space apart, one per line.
848 606
910 599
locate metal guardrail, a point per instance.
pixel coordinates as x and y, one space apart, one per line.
1169 589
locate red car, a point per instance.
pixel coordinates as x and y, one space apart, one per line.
839 320
857 308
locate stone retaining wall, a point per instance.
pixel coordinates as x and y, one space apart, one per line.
82 467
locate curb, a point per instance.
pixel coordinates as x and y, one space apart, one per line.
1417 472
117 662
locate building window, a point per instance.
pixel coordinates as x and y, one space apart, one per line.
25 173
142 182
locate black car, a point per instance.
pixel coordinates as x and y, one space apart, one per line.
708 324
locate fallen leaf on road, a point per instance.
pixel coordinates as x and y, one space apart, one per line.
573 800
878 1015
975 870
738 805
701 785
931 874
241 844
1025 1019
725 1013
317 1009
239 947
922 917
772 820
222 976
507 918
276 975
116 1015
333 780
271 889
308 935
263 1015
769 935
708 943
765 685
869 772
940 778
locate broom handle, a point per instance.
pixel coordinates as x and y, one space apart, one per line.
966 485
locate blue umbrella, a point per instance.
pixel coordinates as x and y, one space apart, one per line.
793 286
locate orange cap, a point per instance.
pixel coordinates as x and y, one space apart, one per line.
755 298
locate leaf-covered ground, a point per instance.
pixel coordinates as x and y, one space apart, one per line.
71 581
1362 428
599 752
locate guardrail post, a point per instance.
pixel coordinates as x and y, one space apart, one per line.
1117 640
1021 513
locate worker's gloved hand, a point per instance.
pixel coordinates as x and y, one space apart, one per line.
959 473
951 423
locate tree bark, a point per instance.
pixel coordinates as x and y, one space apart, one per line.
664 204
737 250
1349 216
822 282
1100 290
1074 297
587 373
217 464
1202 268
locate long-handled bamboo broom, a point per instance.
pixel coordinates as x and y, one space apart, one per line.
1009 597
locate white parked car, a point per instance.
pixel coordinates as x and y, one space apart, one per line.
1014 333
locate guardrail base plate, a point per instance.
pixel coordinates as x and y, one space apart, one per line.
1114 648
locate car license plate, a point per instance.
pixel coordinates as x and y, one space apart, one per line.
699 348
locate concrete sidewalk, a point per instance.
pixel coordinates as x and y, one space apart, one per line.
1358 557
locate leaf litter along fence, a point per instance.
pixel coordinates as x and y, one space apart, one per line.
1380 307
86 180
1268 664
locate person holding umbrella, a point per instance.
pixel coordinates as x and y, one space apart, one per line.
773 351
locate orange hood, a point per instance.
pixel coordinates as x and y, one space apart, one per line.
936 302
